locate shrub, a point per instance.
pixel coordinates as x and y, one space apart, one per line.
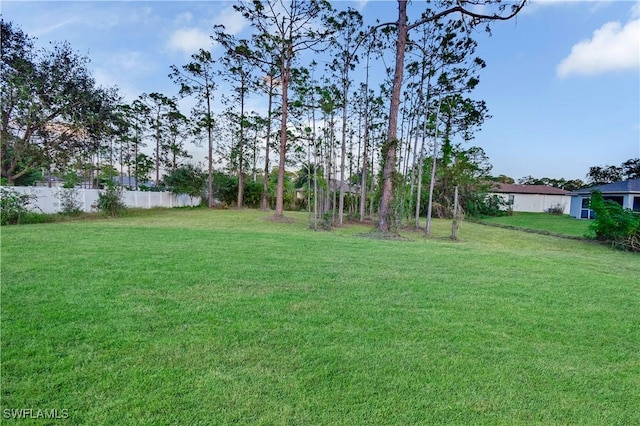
186 180
110 202
69 203
253 194
15 206
556 210
619 226
327 221
483 205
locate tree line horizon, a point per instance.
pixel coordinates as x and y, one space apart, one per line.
397 150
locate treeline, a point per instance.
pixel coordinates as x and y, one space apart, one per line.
597 175
395 148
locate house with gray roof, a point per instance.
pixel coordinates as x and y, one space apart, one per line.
626 193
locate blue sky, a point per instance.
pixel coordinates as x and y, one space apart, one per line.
562 81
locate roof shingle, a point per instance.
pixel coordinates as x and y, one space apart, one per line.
623 187
513 188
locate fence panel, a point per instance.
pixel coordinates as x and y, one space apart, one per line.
48 199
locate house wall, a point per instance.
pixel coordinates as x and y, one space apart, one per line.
537 203
48 199
576 206
576 202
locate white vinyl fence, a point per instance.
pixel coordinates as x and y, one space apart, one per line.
48 199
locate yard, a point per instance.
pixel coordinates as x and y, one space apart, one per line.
223 317
557 224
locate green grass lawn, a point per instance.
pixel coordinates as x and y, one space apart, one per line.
190 317
557 224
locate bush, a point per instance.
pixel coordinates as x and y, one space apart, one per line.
614 224
110 202
556 210
187 180
69 203
253 194
484 205
15 207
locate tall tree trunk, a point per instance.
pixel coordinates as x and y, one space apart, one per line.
334 168
210 152
454 224
427 230
343 144
254 164
384 211
421 167
285 70
414 171
158 149
372 183
363 188
315 166
240 200
265 183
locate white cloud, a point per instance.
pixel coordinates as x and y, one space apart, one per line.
184 18
52 27
613 47
129 61
189 40
232 20
594 5
361 4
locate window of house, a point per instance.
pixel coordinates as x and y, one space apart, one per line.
636 204
586 201
585 211
511 199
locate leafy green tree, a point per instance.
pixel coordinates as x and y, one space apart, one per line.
186 179
502 179
14 206
162 119
569 185
290 28
143 165
459 116
133 115
269 84
602 175
628 170
176 135
468 19
52 109
631 169
619 226
225 188
346 39
197 78
238 71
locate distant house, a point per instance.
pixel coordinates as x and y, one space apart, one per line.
532 198
131 182
51 182
626 193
